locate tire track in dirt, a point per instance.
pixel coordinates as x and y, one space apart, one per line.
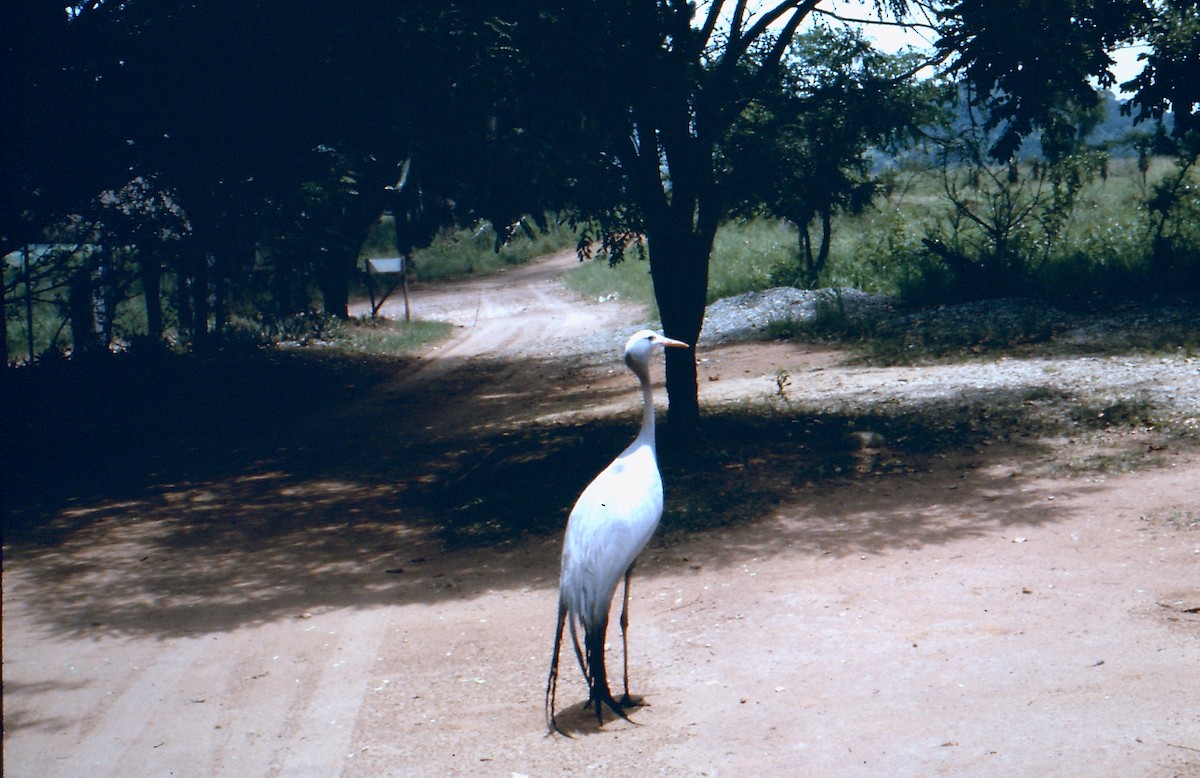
512 333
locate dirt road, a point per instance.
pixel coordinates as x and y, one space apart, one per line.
969 618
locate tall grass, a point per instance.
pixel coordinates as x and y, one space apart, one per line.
1102 249
1101 252
470 251
628 281
748 255
745 254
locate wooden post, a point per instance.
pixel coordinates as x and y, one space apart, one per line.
404 281
390 266
28 304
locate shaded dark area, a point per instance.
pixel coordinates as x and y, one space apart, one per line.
121 423
227 491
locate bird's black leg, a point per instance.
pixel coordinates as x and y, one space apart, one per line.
626 700
599 695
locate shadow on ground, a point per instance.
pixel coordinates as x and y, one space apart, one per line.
198 496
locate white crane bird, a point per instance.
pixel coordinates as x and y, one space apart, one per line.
609 526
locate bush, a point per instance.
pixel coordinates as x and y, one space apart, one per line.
473 250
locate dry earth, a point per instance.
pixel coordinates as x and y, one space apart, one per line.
978 615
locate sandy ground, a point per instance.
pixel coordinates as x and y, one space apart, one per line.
961 620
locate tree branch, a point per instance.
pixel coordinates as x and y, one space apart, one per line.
875 22
785 38
763 23
642 159
710 22
928 63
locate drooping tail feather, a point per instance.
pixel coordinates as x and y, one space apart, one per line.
591 661
552 681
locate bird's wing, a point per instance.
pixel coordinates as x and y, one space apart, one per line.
609 526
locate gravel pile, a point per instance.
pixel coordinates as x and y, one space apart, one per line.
748 316
1100 360
1113 369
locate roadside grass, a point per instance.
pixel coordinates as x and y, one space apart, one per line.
1098 258
461 253
472 251
385 337
1180 519
628 281
748 255
318 332
745 254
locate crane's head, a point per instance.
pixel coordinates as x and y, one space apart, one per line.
641 346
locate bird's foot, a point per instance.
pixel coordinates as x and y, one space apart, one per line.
554 727
618 707
632 701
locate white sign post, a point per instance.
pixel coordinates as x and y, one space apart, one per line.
388 266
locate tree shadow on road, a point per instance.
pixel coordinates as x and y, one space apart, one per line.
352 494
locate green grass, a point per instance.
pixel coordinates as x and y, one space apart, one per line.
464 253
745 255
472 251
748 255
628 281
379 336
1101 257
382 337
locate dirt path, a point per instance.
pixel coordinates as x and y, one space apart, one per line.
971 618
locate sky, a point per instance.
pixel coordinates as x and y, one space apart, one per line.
892 39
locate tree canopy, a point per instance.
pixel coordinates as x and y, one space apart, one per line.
276 133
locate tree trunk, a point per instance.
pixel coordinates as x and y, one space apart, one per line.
338 267
82 313
200 301
806 255
183 301
105 296
152 293
3 326
333 277
217 283
28 305
679 269
826 239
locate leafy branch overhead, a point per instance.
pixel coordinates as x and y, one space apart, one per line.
279 133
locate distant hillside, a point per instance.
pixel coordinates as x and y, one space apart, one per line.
1112 132
1116 128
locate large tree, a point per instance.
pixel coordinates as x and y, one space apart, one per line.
618 108
256 116
803 152
658 85
655 86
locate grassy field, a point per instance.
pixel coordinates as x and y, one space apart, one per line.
1096 248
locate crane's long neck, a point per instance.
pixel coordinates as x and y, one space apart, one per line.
646 435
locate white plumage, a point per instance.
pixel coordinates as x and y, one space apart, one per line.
609 526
